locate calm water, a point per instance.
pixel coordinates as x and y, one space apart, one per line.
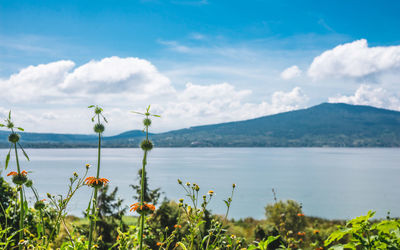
329 182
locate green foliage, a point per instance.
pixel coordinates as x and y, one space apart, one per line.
363 234
286 215
109 216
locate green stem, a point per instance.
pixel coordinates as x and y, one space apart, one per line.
92 221
142 197
21 194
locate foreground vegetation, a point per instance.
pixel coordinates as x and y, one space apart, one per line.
183 224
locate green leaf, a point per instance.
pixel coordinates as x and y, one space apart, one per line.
20 129
23 151
91 106
9 115
2 125
271 239
7 159
137 112
182 245
157 115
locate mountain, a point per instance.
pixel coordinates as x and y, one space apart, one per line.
327 124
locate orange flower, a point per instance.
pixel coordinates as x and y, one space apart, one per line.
12 173
177 226
300 215
301 233
144 208
316 231
96 182
159 243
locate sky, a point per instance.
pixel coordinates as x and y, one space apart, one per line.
194 61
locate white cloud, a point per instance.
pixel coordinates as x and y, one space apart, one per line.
53 97
355 60
35 82
367 95
291 72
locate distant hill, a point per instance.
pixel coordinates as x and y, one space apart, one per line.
324 125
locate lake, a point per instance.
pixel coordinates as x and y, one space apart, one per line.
334 183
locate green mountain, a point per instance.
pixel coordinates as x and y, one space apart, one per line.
327 124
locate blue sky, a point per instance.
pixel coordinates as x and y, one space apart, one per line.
196 62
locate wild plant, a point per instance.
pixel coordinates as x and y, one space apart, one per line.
146 145
96 182
195 217
363 234
60 203
19 178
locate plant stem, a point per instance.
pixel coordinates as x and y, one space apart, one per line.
21 194
142 197
92 221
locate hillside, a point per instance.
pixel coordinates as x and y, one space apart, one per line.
332 125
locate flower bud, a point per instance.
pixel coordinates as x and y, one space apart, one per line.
29 183
39 205
179 182
233 185
88 166
97 110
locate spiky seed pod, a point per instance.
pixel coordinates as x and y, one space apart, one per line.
13 138
19 179
147 122
39 205
97 110
98 128
146 145
29 183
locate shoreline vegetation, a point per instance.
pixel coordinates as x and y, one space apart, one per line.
161 224
324 125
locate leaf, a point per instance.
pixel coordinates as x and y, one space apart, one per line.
226 203
2 125
91 106
271 239
23 151
9 115
157 115
137 112
20 129
181 245
93 118
104 118
148 108
7 159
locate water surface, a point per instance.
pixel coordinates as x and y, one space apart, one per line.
329 182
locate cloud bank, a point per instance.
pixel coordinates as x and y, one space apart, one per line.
53 97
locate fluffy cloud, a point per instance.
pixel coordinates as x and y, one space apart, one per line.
35 82
367 95
52 97
291 72
355 60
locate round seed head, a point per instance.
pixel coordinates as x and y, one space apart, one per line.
147 122
13 137
146 145
19 179
98 128
39 205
